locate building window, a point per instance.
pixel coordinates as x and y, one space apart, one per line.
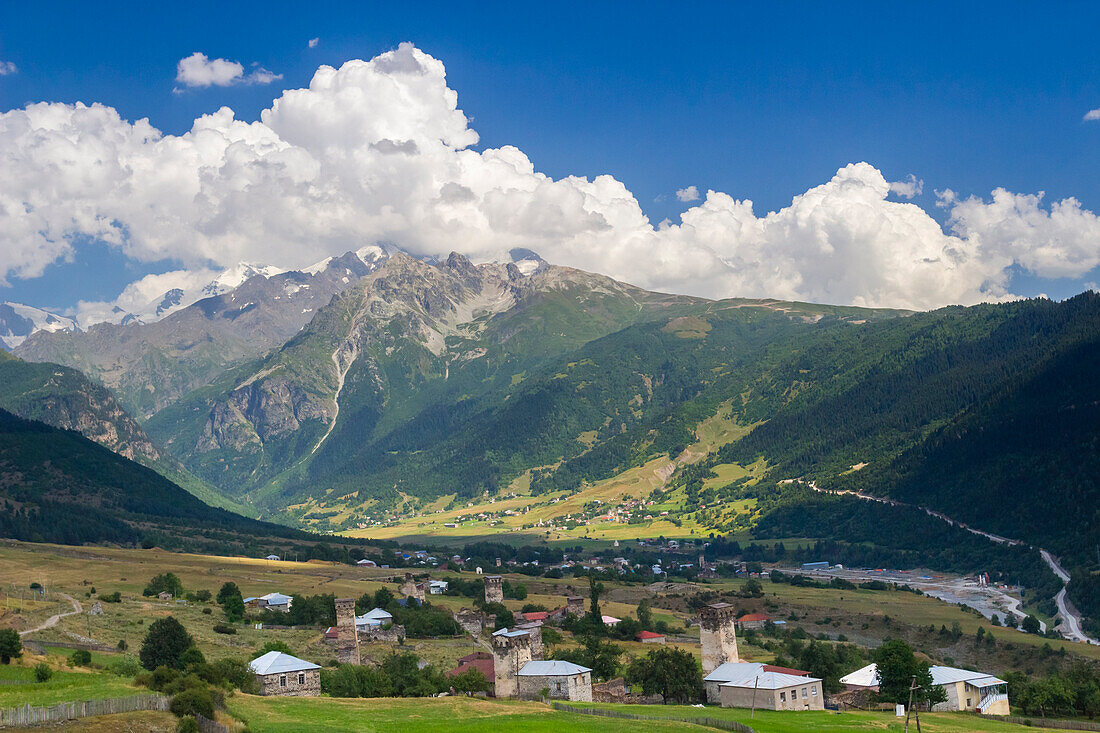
282 681
782 697
804 696
813 691
301 678
968 702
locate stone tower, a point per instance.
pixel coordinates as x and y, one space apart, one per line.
574 605
347 638
494 589
511 650
718 635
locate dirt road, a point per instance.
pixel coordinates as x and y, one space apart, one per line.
52 620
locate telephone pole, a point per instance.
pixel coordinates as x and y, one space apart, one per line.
909 708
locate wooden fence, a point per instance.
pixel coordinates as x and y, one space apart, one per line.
206 725
718 723
28 715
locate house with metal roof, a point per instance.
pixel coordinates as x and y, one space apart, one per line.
373 618
286 675
966 690
740 671
276 602
555 678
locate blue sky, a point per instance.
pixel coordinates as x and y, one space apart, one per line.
760 101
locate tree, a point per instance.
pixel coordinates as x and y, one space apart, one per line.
673 673
470 680
645 614
10 645
228 589
272 646
752 589
1031 625
165 644
165 582
897 665
599 655
595 590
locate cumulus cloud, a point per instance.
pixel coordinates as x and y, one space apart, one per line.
379 151
691 193
199 71
910 187
313 42
1092 115
7 68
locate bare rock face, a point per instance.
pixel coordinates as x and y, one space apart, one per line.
151 365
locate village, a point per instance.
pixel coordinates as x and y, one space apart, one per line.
514 660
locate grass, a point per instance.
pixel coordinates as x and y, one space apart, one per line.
770 721
458 714
63 686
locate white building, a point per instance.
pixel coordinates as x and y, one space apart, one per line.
437 587
749 684
373 619
966 690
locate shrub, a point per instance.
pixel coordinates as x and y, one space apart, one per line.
122 645
272 646
11 645
164 582
202 596
193 701
187 724
126 665
224 629
81 658
115 597
165 643
207 611
42 672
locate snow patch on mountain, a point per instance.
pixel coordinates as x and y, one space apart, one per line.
18 321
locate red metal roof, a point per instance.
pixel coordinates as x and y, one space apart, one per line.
753 617
482 663
535 615
650 635
786 670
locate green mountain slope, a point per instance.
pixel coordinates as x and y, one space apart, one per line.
57 486
64 398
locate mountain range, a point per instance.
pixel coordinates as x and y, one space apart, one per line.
376 384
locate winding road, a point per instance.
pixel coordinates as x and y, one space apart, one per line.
52 620
1071 619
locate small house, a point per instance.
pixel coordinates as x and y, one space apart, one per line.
373 619
164 596
752 621
286 675
650 637
365 563
272 557
966 690
481 661
731 671
437 587
276 602
610 620
560 680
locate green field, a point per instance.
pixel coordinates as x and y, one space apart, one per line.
64 686
458 714
770 721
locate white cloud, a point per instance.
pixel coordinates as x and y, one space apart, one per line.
691 193
313 42
910 187
7 68
1092 115
197 70
379 151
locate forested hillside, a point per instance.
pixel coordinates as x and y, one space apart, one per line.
57 486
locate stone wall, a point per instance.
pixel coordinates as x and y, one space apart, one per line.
494 589
718 635
576 687
347 639
291 684
510 653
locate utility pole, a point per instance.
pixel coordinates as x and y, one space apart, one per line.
755 683
909 708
